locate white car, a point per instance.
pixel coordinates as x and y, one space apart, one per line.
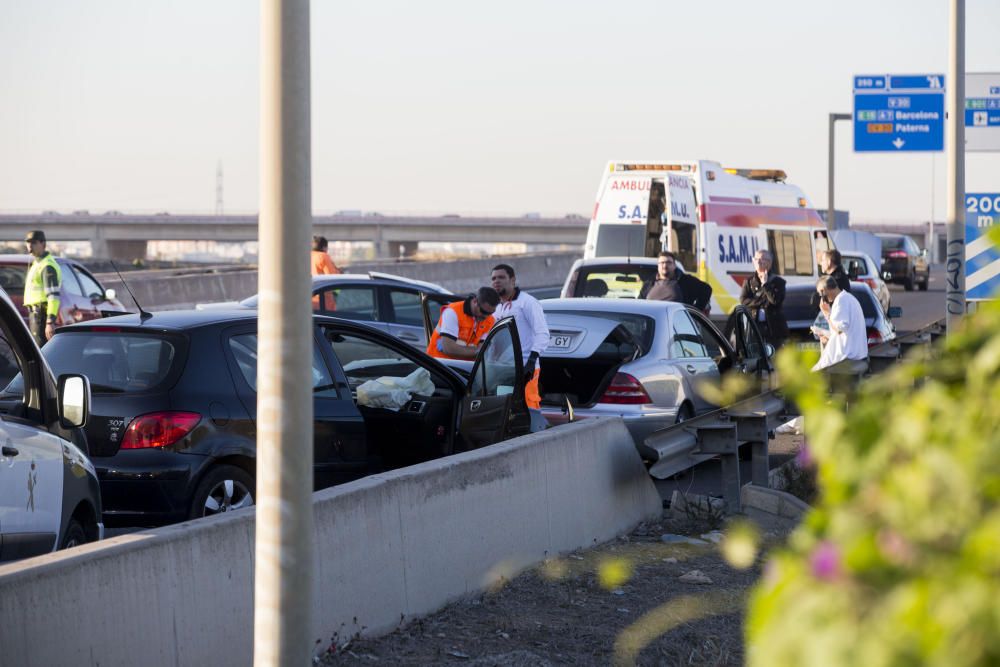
862 268
49 494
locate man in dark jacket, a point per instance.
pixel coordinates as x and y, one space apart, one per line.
672 284
764 294
830 263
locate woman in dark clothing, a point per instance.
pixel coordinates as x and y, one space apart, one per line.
764 294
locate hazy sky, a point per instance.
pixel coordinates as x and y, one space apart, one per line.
463 106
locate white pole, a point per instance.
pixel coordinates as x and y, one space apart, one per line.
955 260
283 574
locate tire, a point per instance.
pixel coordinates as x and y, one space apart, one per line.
925 284
908 283
75 535
684 413
224 488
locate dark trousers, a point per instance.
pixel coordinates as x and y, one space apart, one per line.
36 323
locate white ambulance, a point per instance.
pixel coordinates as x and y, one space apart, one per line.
713 218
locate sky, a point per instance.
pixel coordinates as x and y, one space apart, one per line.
459 106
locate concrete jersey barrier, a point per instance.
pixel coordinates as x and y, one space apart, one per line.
173 289
389 548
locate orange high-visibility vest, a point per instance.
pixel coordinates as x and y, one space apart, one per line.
469 331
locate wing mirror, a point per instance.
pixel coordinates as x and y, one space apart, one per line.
769 350
110 294
895 312
74 400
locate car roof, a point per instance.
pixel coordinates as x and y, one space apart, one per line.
602 305
378 279
599 261
168 320
26 259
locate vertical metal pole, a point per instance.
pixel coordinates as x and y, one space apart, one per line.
955 146
283 574
830 209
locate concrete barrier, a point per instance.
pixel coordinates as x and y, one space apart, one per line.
389 548
173 289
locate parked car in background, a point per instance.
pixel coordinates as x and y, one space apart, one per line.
82 297
389 303
903 262
49 494
645 361
862 268
800 308
878 322
172 430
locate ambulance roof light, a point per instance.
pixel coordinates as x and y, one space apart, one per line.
776 175
632 166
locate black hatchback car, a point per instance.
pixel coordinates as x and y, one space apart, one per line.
172 424
903 262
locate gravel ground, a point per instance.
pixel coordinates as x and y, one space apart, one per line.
673 604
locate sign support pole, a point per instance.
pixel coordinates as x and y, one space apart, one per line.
830 209
955 146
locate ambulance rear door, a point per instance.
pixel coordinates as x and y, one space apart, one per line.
680 231
619 224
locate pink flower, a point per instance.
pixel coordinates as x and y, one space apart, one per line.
825 562
804 458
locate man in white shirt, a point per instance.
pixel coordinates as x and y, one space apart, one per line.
532 330
845 347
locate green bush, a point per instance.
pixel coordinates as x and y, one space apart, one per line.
899 562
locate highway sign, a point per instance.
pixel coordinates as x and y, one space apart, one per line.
982 257
899 113
982 112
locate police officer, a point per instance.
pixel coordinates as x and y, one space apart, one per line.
41 289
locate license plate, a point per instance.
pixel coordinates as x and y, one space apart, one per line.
560 342
811 345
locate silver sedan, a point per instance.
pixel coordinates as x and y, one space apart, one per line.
645 361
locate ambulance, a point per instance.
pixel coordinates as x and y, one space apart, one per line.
712 217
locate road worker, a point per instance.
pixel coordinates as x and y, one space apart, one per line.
463 325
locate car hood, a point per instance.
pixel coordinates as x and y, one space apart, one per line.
585 334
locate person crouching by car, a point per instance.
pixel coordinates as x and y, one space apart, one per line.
672 284
463 325
764 295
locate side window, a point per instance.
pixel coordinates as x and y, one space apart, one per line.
495 375
792 251
686 342
244 349
855 266
353 303
713 344
12 278
406 307
364 359
70 282
10 365
89 285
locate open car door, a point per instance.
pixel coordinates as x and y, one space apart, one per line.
431 305
753 354
493 408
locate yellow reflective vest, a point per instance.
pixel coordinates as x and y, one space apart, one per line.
35 289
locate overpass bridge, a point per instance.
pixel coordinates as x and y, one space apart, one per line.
125 235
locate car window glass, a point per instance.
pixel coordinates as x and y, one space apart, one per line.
686 340
89 285
855 265
793 255
406 307
69 282
612 282
753 342
244 349
114 363
495 375
713 343
12 278
642 327
10 365
353 303
364 359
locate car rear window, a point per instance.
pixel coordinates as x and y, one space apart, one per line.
624 281
641 327
12 278
891 242
118 362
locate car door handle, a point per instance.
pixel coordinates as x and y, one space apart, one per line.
690 369
9 451
406 336
475 405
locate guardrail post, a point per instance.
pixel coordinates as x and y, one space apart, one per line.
753 429
721 439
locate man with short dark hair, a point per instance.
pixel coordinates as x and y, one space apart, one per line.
321 262
532 330
672 284
42 285
463 325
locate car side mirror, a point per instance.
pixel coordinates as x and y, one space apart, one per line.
74 400
895 312
769 350
110 294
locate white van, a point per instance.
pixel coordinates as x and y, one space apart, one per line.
713 218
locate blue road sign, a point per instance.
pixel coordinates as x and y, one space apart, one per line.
899 114
982 257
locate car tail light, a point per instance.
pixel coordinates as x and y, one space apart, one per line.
897 253
159 429
874 336
625 390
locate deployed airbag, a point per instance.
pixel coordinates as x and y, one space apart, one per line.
392 392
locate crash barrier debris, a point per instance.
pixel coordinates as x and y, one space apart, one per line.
389 548
722 432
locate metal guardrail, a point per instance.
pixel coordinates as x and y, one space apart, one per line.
751 421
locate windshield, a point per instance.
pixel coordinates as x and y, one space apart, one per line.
641 327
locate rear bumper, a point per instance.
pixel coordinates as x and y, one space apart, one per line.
147 487
895 270
641 421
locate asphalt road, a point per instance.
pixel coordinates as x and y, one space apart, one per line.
920 308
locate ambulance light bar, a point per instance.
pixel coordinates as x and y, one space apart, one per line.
776 175
650 167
